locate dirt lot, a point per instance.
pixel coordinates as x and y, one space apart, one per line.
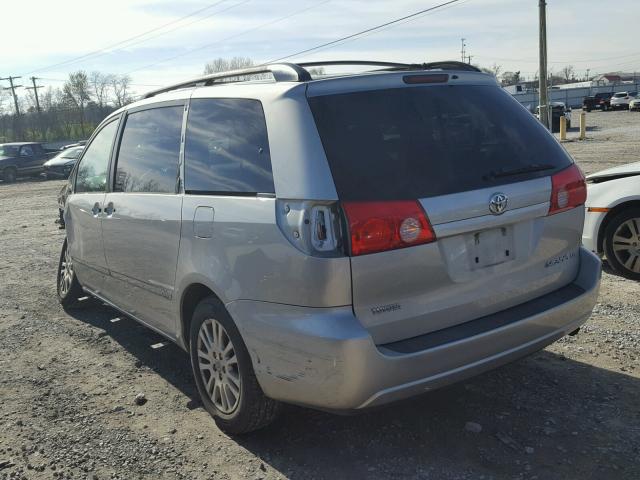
68 382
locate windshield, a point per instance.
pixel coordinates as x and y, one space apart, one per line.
620 95
70 153
418 142
8 151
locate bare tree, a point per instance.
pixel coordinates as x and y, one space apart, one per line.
76 93
120 87
223 65
568 73
99 83
316 71
510 78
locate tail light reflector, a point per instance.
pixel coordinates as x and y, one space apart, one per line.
569 190
381 226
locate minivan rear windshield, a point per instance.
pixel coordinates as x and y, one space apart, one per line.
417 142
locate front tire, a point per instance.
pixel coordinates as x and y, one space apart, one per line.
622 243
224 374
69 289
9 175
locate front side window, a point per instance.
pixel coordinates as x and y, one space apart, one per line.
226 147
149 151
26 151
94 165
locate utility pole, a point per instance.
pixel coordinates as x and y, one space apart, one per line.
462 52
588 70
35 92
470 57
542 80
13 92
17 130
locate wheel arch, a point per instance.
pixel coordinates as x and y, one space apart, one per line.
611 214
191 296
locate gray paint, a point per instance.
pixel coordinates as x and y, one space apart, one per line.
308 320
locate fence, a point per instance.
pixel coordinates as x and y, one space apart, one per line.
572 97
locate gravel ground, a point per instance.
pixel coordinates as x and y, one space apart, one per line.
68 383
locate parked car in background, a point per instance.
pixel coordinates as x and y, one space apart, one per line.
600 101
621 100
80 143
21 159
61 165
634 105
612 223
373 237
558 109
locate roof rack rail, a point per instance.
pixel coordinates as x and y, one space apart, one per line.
354 62
282 72
292 72
443 65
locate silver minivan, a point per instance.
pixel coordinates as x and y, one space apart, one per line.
339 242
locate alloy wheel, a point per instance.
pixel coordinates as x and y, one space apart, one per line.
218 366
66 273
626 244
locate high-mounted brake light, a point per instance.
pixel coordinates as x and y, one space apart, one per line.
380 226
432 78
569 190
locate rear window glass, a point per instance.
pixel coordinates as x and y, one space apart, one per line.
410 143
226 148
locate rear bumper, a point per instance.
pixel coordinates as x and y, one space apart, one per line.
325 359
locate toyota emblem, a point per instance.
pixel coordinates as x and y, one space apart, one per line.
498 203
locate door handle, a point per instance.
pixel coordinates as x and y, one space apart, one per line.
109 209
96 209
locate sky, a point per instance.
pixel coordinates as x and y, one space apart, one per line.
158 42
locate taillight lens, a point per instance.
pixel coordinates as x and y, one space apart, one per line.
569 190
380 226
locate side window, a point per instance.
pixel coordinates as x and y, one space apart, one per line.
94 165
26 151
149 151
226 147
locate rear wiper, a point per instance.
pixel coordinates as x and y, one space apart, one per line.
536 167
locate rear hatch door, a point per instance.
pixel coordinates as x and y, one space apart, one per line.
454 147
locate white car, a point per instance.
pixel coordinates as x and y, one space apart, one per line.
622 99
612 221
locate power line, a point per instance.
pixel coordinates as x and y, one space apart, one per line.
100 51
377 27
217 42
399 24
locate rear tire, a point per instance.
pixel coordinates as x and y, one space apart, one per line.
9 175
224 374
622 243
69 289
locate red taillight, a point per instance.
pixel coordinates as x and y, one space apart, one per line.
380 226
569 190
